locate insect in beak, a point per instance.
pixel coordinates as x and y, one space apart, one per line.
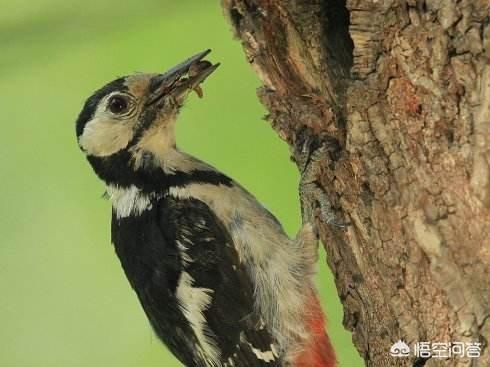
181 79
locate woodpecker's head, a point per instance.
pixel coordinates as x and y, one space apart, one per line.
130 121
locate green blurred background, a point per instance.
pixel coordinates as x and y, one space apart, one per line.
64 300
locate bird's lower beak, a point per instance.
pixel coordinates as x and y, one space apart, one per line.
181 79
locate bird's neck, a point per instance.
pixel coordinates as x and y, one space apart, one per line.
150 172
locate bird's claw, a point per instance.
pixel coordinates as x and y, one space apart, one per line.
318 197
313 197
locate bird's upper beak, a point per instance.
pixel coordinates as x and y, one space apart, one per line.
181 79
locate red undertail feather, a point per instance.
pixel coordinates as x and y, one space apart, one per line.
318 352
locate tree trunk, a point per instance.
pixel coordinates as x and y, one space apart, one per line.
400 93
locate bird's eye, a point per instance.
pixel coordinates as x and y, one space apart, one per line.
118 105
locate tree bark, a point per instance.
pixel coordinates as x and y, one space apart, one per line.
400 92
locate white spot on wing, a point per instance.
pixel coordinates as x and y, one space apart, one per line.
128 201
193 301
266 356
274 350
186 259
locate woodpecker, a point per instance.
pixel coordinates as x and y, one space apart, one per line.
218 278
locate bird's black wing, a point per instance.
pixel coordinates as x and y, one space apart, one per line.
188 276
212 262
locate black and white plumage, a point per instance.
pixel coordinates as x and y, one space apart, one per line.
181 262
219 280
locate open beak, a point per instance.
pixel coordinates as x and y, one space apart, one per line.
181 79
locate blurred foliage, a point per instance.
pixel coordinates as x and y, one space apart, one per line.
64 299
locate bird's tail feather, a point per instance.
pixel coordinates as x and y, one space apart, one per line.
318 351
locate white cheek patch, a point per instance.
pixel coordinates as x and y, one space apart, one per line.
103 136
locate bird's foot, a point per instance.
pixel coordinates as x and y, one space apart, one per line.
314 200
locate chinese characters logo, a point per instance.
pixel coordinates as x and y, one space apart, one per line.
400 349
436 349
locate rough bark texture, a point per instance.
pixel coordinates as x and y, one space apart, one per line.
400 90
